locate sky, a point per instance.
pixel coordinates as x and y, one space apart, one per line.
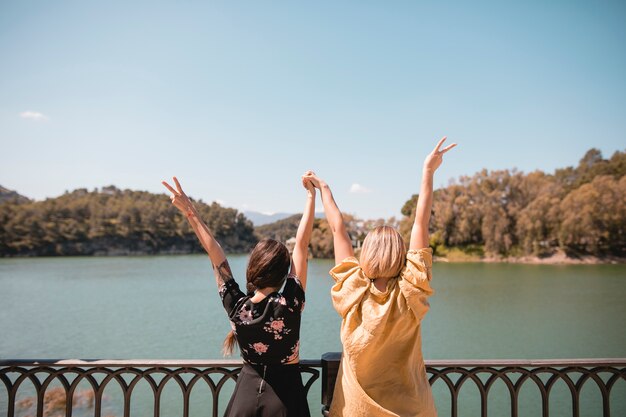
239 98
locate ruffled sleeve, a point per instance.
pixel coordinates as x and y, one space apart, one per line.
415 280
230 294
350 285
293 292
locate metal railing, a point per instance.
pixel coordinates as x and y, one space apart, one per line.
100 374
576 374
65 376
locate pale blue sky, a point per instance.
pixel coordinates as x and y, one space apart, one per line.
238 98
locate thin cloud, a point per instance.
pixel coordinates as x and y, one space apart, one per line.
34 115
359 189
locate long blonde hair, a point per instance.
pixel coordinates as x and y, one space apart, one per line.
383 253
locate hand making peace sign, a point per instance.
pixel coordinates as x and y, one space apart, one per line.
179 198
435 158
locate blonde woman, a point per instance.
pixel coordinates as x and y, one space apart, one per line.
382 299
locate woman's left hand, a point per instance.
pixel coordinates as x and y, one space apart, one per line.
308 184
179 198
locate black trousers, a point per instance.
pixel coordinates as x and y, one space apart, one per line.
268 391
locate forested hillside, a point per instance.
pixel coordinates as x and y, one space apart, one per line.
321 245
112 221
581 210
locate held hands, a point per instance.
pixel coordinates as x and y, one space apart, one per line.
313 179
308 183
180 199
435 158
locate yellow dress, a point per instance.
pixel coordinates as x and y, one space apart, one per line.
382 370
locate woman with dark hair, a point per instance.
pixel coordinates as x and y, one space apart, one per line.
265 321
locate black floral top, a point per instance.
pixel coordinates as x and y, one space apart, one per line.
268 332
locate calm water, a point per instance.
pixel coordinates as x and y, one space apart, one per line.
167 307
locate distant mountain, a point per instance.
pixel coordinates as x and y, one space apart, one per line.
12 196
259 219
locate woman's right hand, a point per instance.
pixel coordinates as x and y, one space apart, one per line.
179 198
435 158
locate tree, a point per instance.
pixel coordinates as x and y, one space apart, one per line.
593 217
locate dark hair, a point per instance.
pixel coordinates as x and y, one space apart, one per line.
268 267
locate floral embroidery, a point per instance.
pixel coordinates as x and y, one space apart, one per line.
222 290
277 327
259 347
295 351
245 315
267 332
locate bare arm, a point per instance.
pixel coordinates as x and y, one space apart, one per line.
221 268
303 235
419 232
341 240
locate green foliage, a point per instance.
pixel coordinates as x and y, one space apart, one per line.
322 239
321 244
408 209
280 230
593 217
581 210
112 221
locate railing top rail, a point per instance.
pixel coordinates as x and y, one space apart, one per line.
528 362
141 363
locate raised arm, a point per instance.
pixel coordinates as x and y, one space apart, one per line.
341 240
221 268
303 236
419 232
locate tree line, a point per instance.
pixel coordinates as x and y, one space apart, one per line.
580 210
111 221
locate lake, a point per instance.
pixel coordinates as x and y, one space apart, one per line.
167 307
